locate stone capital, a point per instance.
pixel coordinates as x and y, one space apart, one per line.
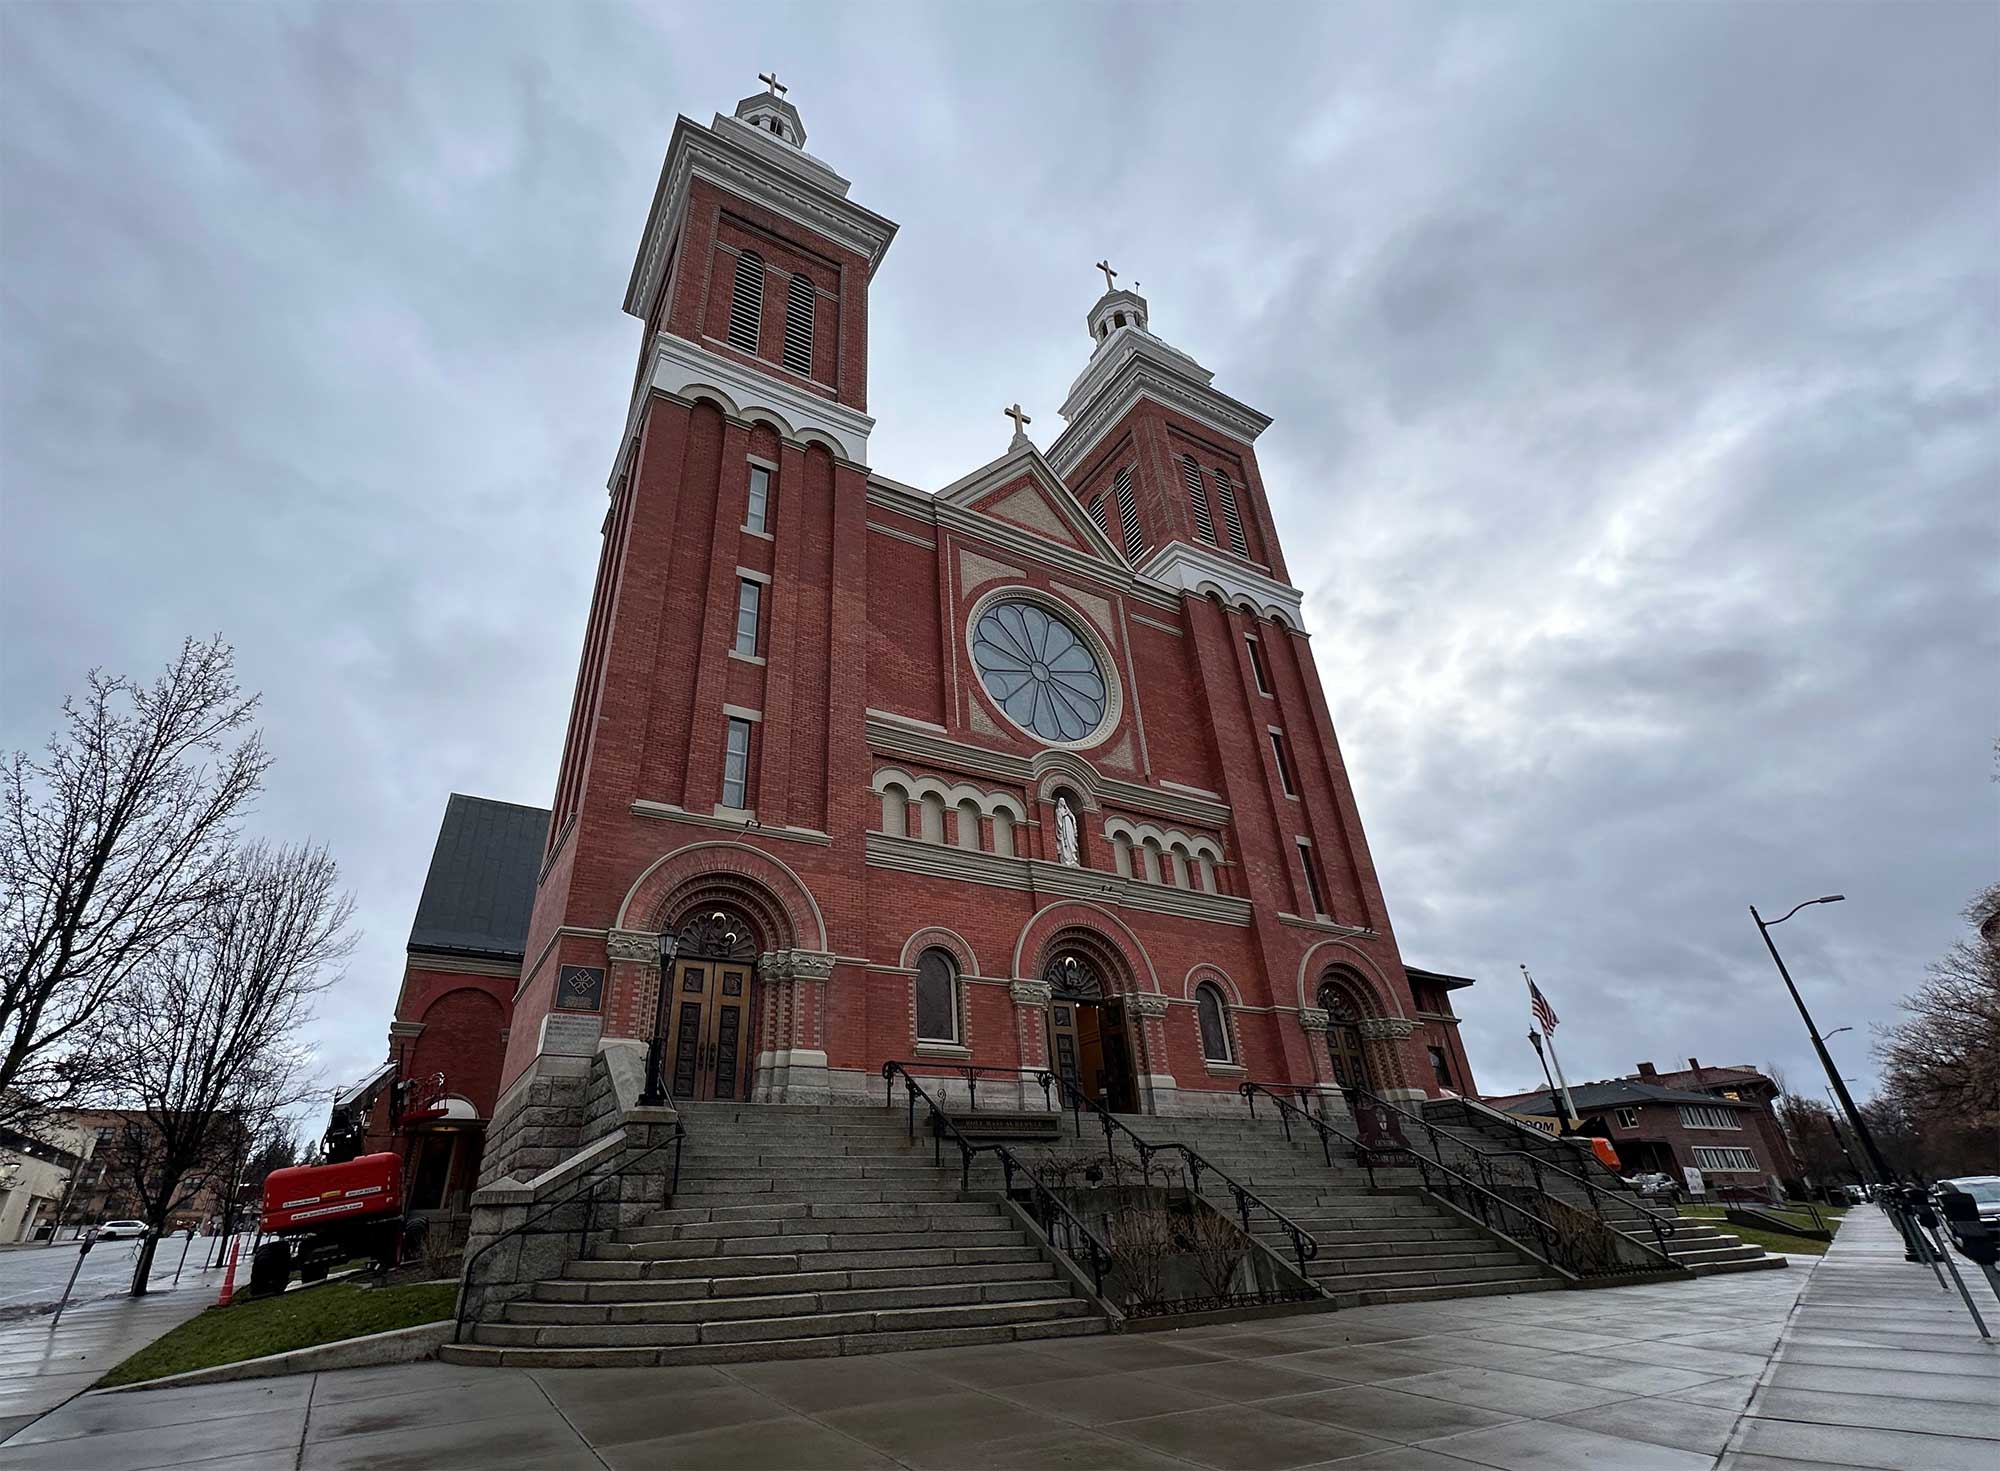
1385 1028
639 946
1030 993
1146 1004
796 965
1314 1019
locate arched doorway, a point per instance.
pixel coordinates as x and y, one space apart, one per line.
1343 1037
709 1005
1090 1036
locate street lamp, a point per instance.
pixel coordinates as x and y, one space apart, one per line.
1854 1122
655 1094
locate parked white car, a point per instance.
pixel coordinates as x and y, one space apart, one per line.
118 1230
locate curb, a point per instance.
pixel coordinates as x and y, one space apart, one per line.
397 1346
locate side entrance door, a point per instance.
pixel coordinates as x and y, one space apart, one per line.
711 1028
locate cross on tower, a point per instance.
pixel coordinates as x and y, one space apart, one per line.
1019 418
1109 284
770 79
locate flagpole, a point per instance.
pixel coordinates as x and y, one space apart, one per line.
1548 1036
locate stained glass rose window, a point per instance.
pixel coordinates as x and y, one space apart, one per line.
1039 670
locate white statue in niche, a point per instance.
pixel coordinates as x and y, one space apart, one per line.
1066 849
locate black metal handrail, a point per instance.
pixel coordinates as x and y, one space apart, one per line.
1063 1227
1366 1156
1537 1236
595 1180
966 1070
1304 1247
1655 1220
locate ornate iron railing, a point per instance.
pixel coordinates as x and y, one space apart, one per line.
969 1072
1063 1227
1304 1247
1366 1156
584 1190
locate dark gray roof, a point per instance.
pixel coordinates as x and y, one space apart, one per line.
1618 1093
1450 983
481 887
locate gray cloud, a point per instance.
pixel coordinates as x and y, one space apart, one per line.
1634 373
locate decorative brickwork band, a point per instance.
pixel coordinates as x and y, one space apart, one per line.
1146 1004
633 945
1385 1028
1030 993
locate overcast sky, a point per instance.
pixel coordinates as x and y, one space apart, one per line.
1635 373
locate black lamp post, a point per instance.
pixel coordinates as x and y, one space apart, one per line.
1555 1098
1854 1121
655 1095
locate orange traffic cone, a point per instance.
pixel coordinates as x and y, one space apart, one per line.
229 1274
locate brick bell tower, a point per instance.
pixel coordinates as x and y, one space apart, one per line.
720 691
1165 464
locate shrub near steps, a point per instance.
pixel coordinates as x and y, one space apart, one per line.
794 1233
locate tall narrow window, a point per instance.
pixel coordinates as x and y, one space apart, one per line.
895 810
749 597
1225 495
931 807
1284 760
746 302
968 824
1257 669
799 325
1128 514
1204 524
1312 877
1440 1069
1003 833
1214 1023
736 765
757 516
937 997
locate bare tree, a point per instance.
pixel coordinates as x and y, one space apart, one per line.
205 1040
1941 1061
111 844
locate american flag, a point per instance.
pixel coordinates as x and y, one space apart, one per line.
1539 1004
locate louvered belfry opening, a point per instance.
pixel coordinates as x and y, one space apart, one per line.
1225 495
799 325
1128 514
1204 524
746 302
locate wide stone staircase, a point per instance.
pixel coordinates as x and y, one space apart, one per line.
1385 1243
1702 1248
796 1232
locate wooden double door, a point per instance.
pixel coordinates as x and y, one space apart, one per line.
1090 1044
710 1009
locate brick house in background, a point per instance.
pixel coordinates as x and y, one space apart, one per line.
1737 1083
1733 1140
430 1101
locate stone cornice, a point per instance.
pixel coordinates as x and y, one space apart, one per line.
680 365
1329 927
668 812
937 750
1142 377
1200 570
1051 880
813 197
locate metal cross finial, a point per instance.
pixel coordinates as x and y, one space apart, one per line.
1109 283
770 79
1017 416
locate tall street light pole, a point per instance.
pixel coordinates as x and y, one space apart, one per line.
1883 1174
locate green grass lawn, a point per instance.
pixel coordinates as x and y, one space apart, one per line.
249 1328
1774 1241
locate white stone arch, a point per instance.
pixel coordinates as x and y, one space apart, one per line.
810 435
936 936
1327 953
1208 970
714 395
1196 844
950 793
739 858
758 414
1148 976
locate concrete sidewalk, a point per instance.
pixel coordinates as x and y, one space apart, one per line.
1647 1378
41 1366
1877 1368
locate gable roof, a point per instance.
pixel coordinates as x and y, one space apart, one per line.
1006 476
480 889
1617 1093
1438 977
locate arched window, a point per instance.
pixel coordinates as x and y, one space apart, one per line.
799 325
1214 1014
746 303
1180 860
933 810
1151 850
937 997
968 824
895 810
1121 855
1207 866
1003 832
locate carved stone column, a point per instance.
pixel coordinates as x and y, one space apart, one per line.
1146 1011
632 989
1330 1101
1382 1037
791 1065
1031 1038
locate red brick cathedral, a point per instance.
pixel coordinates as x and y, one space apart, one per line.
1031 771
